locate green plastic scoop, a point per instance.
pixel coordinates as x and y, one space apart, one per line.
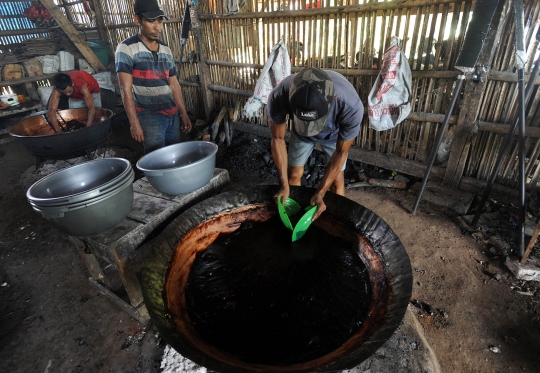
304 223
290 208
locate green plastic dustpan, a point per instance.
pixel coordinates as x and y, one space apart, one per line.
291 207
304 223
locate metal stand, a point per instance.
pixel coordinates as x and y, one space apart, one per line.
484 11
524 96
184 32
521 58
433 156
530 85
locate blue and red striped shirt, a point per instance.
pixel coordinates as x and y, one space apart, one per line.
150 71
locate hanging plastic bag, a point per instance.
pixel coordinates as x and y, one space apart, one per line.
277 68
389 101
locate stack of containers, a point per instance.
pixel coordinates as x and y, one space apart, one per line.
87 198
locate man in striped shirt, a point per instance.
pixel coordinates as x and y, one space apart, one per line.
150 90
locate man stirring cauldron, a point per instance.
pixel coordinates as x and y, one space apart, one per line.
75 89
326 111
150 90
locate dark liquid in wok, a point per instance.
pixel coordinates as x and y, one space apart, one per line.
73 125
265 300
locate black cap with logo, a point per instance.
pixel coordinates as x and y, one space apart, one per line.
311 95
149 9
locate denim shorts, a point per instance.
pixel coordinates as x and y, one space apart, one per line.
159 130
299 151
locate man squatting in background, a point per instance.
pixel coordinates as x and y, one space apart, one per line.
326 110
150 90
82 90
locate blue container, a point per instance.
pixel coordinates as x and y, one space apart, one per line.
100 49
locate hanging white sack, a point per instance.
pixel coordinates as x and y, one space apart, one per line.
389 101
277 68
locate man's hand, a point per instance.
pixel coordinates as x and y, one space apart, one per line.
137 132
283 192
186 123
317 200
56 128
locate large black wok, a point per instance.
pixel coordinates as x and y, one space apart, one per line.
40 139
171 263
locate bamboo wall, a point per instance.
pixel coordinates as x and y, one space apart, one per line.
351 37
499 105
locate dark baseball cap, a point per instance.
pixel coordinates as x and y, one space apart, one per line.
149 9
311 95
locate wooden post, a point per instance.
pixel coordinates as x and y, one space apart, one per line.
472 98
73 35
100 22
204 70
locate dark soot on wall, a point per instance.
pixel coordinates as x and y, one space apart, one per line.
263 299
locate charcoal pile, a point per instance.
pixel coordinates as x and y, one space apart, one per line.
249 161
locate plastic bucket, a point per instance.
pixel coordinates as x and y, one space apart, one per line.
100 49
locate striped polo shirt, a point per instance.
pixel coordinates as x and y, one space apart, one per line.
150 71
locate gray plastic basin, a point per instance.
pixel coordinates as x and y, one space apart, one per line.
180 168
79 183
92 218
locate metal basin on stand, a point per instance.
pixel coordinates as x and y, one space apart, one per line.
40 140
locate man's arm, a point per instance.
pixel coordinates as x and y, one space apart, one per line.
279 154
89 101
333 168
126 83
179 100
54 101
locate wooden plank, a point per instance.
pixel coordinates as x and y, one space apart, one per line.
146 208
90 260
73 35
101 29
128 277
13 111
140 313
204 70
5 83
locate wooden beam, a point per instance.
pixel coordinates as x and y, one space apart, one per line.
73 35
100 22
5 83
204 70
472 99
68 12
341 9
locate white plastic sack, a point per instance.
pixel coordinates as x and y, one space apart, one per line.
44 94
277 68
104 80
66 60
85 66
389 101
49 63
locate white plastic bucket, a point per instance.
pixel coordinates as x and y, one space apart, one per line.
10 99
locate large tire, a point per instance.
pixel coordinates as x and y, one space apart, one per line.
394 287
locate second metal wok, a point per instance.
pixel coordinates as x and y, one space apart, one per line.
40 139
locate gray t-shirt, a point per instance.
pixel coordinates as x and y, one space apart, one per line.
345 115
